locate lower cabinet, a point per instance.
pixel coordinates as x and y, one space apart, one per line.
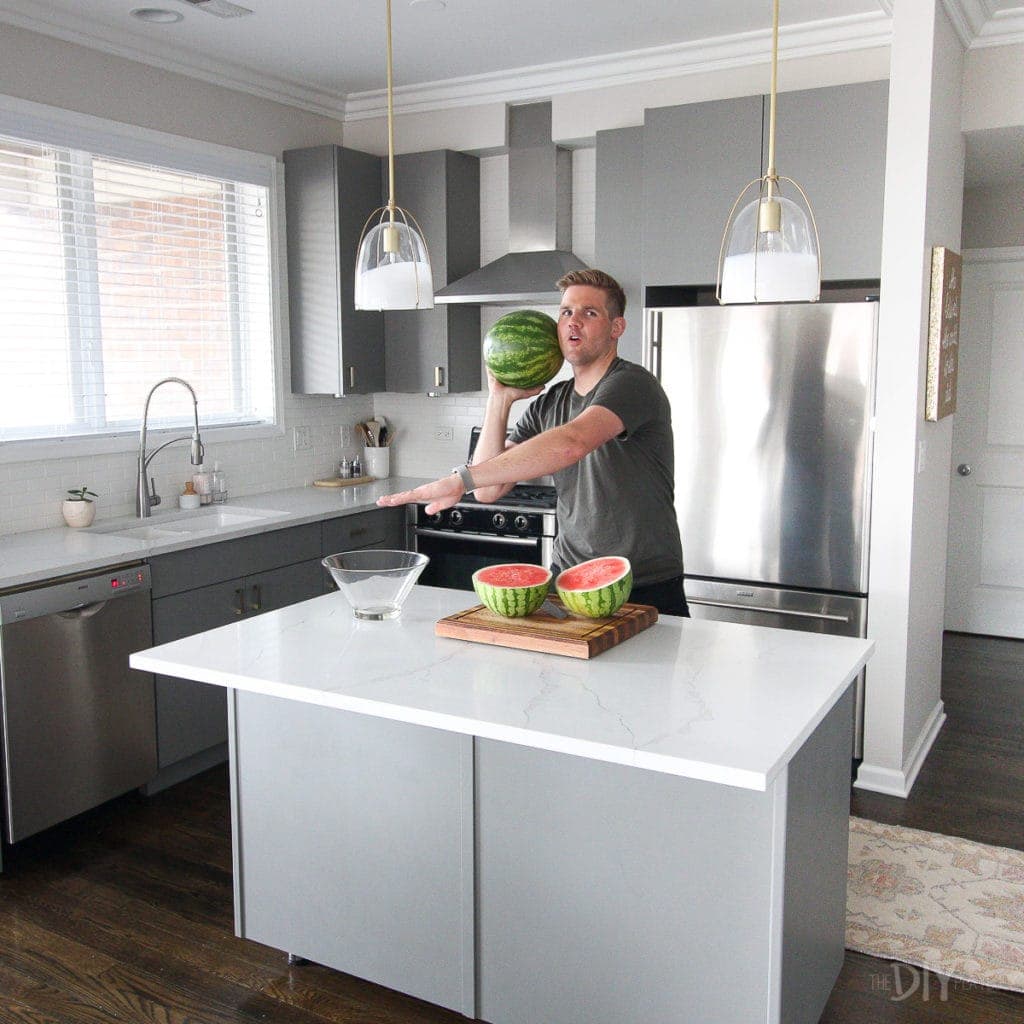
210 586
353 841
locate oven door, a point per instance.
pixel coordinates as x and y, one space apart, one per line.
456 555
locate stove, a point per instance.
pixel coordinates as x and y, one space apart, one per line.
520 527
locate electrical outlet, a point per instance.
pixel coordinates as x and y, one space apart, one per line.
346 435
443 434
302 439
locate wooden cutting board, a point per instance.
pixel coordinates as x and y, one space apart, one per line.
349 481
575 637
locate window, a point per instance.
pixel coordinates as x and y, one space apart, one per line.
116 272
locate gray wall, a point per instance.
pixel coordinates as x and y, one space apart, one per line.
993 217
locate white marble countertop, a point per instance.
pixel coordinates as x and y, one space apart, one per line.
721 702
27 558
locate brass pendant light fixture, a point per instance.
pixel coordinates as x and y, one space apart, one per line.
393 264
770 250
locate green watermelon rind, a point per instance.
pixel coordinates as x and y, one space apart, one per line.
511 602
521 349
598 602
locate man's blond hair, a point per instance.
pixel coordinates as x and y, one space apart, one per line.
615 297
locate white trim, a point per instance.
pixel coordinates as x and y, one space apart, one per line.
59 126
900 783
1000 254
980 24
745 49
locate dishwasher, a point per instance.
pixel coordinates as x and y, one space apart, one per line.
78 724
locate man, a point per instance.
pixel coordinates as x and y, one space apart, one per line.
605 436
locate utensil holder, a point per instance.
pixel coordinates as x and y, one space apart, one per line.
377 462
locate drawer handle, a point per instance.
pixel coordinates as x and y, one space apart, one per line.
240 601
359 532
257 598
352 376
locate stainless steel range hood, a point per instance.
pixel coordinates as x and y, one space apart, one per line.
540 220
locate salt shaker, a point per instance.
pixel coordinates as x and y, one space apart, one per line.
357 466
345 469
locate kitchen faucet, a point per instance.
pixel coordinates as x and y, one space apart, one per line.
145 490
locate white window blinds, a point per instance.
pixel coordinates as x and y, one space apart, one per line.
115 273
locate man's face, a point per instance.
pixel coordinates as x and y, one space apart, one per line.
586 332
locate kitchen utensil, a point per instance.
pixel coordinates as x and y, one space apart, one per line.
375 582
551 608
573 637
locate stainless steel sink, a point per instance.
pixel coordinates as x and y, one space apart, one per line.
180 524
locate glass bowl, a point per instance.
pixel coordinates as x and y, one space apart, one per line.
376 582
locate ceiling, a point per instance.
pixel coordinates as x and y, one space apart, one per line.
328 55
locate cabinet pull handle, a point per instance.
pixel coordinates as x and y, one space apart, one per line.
438 376
358 533
257 598
240 599
351 376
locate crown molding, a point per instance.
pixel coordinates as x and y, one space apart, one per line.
82 32
983 23
631 67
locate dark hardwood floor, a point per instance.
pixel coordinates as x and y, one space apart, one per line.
125 913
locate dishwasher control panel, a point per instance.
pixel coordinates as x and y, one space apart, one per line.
70 593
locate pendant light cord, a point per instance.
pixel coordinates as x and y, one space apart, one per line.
391 124
772 176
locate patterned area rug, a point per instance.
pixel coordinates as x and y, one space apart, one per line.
946 904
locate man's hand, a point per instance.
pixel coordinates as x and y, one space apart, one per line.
440 494
507 394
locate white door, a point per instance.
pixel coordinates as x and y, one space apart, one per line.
985 561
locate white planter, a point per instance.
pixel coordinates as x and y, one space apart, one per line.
78 513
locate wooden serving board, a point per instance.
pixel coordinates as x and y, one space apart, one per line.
349 481
575 637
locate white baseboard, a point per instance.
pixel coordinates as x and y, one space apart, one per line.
900 783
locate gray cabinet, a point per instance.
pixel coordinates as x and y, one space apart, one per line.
832 142
206 587
618 234
329 193
354 843
438 350
698 157
383 528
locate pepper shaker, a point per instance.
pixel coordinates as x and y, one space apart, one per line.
357 466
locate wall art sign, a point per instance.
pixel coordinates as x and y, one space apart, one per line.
943 333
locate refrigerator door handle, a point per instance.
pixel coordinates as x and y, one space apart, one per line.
770 611
652 343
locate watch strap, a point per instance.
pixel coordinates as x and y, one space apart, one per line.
466 477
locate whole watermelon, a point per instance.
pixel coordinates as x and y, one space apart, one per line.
521 349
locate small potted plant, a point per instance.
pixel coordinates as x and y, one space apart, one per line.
79 509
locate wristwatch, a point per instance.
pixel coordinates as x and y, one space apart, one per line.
466 477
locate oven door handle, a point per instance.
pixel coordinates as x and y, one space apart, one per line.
528 542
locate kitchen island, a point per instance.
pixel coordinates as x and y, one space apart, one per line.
658 834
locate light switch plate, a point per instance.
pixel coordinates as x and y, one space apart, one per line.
302 439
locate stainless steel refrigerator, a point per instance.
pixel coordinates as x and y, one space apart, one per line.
772 414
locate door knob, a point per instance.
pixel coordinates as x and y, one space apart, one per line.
963 469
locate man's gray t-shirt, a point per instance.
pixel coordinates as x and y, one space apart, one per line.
618 500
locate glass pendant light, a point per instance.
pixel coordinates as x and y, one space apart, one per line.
770 249
392 265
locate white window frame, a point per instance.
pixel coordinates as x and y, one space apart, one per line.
66 128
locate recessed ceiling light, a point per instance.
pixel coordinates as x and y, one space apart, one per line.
157 15
428 5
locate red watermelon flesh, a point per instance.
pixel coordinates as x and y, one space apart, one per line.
598 572
521 575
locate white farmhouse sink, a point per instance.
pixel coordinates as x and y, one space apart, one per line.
177 524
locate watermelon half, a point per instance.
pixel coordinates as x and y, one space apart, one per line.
514 589
521 349
597 588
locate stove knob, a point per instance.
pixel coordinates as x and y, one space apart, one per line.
455 517
520 522
499 520
435 519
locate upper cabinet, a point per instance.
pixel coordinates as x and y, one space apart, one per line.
832 143
698 157
437 351
329 193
